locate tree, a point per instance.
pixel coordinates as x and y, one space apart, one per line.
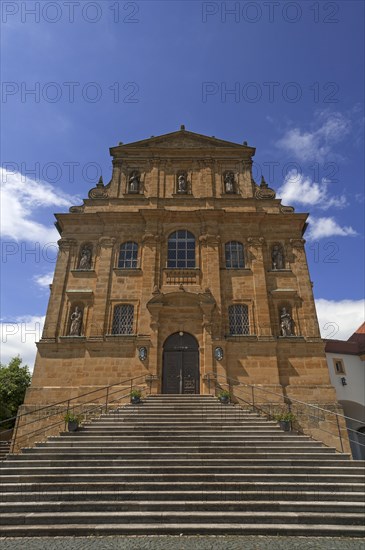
14 380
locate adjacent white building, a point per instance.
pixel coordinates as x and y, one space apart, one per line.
346 364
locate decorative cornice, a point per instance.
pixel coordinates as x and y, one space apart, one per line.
107 242
66 244
297 243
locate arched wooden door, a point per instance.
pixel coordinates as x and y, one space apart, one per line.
180 373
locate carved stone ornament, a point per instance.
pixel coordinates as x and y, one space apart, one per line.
66 244
277 257
229 182
263 191
287 209
107 242
255 241
76 322
76 209
182 183
142 353
286 323
218 353
98 192
134 182
85 258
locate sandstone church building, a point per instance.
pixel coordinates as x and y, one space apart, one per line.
180 267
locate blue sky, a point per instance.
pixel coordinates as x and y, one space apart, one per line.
287 77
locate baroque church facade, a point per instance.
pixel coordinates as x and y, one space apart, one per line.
180 267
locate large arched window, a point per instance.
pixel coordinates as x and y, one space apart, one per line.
234 255
238 319
128 255
181 250
123 319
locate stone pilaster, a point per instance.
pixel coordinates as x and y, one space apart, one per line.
99 324
261 311
307 316
52 325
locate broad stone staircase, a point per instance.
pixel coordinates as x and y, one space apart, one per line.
181 464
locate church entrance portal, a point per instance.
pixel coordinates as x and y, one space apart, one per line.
180 373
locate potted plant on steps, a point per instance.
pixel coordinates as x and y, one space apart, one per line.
136 396
224 396
73 421
285 420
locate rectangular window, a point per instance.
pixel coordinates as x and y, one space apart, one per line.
238 320
181 250
338 366
123 319
128 256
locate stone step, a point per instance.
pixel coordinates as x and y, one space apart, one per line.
219 484
135 517
334 462
252 448
173 472
98 466
249 454
192 427
182 505
253 441
169 528
60 492
171 435
211 443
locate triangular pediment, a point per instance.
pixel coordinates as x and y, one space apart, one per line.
183 139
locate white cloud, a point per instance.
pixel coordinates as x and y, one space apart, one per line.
339 320
44 280
327 227
300 189
316 145
18 337
20 197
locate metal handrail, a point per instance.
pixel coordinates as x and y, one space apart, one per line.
46 428
281 395
68 405
288 401
72 398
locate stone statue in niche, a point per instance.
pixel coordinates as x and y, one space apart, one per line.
229 182
76 322
85 260
277 257
286 323
182 184
134 182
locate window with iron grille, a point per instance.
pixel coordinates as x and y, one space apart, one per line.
238 319
128 255
123 319
234 255
181 250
